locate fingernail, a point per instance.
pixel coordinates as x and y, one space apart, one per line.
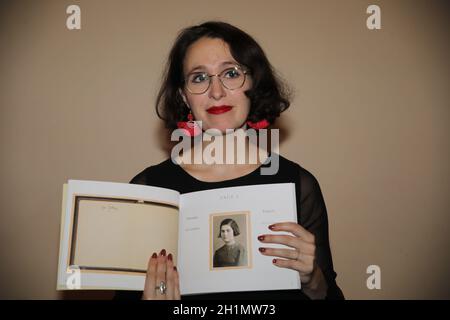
163 252
272 227
175 268
169 257
261 238
274 261
154 255
262 249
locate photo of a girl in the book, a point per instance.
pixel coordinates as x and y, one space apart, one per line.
232 253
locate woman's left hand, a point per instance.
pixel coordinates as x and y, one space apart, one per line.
302 255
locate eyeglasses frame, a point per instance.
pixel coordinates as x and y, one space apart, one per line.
236 67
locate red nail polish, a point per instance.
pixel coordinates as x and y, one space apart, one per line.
163 252
262 249
169 257
154 255
261 238
272 227
274 260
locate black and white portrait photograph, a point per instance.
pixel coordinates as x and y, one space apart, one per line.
230 240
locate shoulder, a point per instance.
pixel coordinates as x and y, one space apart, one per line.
221 250
151 173
308 182
288 167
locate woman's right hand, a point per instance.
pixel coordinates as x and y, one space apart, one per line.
161 272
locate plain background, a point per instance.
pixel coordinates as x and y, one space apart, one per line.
370 120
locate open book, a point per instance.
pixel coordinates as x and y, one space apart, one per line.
109 231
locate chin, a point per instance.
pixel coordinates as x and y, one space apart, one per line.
223 128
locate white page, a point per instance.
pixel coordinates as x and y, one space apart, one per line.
255 207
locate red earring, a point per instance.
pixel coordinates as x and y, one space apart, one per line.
259 125
190 127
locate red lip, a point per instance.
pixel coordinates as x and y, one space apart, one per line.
219 109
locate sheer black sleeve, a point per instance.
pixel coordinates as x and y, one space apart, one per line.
313 217
142 177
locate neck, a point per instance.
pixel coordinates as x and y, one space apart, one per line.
230 243
239 147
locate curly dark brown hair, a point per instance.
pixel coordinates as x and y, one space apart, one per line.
269 95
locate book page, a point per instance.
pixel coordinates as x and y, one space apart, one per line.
121 235
109 230
218 238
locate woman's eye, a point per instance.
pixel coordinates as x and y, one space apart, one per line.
197 78
232 73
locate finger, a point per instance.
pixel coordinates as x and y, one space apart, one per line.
295 229
306 248
170 278
150 278
300 247
300 266
291 241
161 273
287 240
306 259
282 253
177 283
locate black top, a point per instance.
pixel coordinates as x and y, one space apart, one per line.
311 214
230 256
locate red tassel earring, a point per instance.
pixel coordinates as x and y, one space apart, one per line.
259 125
191 128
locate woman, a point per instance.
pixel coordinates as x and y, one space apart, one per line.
199 85
232 253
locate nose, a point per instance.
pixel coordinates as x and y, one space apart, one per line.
216 90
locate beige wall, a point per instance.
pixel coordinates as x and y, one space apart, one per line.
370 120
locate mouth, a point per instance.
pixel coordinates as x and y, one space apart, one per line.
219 109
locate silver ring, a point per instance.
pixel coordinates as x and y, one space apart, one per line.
162 287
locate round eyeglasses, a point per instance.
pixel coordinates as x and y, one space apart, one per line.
231 78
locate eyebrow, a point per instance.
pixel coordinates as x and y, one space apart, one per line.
222 64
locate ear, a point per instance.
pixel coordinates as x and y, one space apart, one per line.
183 96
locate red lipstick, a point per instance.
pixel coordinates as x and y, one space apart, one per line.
219 109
